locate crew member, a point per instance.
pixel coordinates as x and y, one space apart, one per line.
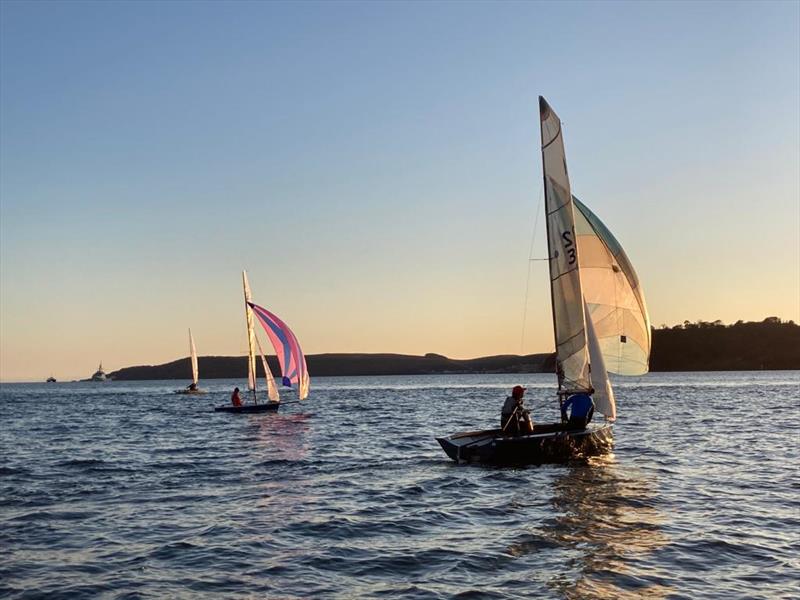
235 399
514 419
582 410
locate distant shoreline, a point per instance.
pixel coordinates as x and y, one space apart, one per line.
769 345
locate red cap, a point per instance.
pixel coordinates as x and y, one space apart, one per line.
518 390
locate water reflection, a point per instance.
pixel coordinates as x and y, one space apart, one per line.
281 437
608 523
280 443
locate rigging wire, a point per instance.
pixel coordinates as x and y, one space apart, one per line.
528 265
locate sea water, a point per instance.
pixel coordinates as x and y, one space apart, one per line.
126 490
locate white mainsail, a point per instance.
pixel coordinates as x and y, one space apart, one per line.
272 389
565 278
613 295
251 350
193 354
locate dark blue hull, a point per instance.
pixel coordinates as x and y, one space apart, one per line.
248 408
547 444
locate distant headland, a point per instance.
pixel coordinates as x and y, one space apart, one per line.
770 344
215 367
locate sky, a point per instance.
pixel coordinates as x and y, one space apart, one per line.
376 169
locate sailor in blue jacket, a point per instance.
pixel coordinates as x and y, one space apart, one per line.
582 410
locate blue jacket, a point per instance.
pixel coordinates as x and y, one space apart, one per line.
581 405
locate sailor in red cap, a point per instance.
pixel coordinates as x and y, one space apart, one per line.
514 419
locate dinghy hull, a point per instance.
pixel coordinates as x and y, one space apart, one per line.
548 444
248 408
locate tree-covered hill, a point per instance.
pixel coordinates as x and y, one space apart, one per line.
714 346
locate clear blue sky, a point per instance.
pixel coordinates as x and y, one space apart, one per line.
376 168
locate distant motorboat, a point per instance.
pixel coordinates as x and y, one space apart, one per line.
99 375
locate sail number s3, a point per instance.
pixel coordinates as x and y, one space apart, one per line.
569 246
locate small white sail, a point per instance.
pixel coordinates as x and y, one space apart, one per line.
303 386
193 354
565 279
603 393
272 389
251 350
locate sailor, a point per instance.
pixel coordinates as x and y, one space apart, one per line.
235 399
514 419
582 410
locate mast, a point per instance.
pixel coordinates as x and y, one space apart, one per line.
566 294
251 349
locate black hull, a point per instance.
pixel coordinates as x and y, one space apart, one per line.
191 392
547 444
248 408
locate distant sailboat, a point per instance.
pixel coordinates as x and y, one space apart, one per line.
290 358
600 323
51 379
192 388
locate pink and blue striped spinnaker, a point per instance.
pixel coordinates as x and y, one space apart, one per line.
290 356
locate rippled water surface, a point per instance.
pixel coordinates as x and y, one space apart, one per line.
126 490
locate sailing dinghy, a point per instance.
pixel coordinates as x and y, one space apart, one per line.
600 324
291 359
192 389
